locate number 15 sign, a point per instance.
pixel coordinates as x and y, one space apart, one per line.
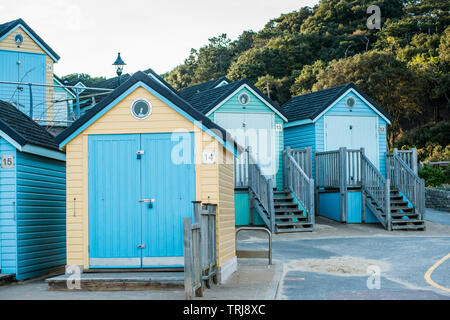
7 162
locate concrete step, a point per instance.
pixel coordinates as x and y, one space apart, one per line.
121 281
409 227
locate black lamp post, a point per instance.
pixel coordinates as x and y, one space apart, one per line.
119 66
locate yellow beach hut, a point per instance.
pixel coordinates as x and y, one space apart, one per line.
135 163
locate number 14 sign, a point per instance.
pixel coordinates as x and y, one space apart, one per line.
7 162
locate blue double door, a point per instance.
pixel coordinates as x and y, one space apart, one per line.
141 186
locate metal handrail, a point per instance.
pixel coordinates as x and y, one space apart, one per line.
255 253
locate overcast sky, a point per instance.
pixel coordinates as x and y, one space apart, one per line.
87 34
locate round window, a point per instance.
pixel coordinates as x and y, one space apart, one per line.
18 39
350 102
141 109
244 99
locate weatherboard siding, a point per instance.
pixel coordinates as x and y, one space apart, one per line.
163 119
301 137
257 106
41 223
8 225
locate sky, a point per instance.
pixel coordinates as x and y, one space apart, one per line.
87 34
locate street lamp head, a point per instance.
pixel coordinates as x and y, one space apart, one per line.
119 65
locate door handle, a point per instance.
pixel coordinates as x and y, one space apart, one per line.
149 201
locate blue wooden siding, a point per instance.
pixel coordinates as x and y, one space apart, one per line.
242 217
41 215
8 235
256 105
300 137
329 204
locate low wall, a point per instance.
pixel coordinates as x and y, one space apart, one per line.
438 199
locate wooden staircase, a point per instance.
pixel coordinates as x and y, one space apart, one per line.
288 215
402 215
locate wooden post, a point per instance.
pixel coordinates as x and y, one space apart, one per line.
308 162
363 185
414 160
387 204
396 171
288 169
285 169
343 182
188 272
311 202
251 213
271 205
388 167
316 188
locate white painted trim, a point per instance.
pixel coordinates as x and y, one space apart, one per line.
252 91
225 271
162 261
114 262
361 97
32 37
44 152
297 123
222 83
10 140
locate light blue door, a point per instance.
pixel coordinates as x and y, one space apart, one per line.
114 209
168 177
32 70
125 229
9 71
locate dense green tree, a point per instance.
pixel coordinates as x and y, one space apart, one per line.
304 82
83 77
381 76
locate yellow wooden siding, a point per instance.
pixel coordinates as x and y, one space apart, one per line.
29 45
119 121
226 217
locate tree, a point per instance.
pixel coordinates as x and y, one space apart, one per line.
87 80
382 77
304 82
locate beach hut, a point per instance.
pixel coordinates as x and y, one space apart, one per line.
135 163
356 179
256 122
32 197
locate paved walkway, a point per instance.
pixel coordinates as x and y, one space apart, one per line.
438 216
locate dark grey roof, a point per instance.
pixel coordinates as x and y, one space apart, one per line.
310 105
189 92
162 90
6 27
22 129
113 83
206 100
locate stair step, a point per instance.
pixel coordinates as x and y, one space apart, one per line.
404 208
406 221
408 214
281 192
279 204
282 210
399 202
290 224
290 219
283 199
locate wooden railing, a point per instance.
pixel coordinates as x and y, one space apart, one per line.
408 156
327 166
298 182
261 188
241 169
407 182
378 188
200 253
303 157
338 168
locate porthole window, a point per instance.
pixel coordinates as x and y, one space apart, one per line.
350 102
141 109
18 39
244 99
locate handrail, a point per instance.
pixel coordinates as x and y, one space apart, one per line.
303 157
377 187
409 184
298 182
262 189
255 253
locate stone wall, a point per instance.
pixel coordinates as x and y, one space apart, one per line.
438 199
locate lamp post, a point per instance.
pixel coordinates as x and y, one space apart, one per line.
119 66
